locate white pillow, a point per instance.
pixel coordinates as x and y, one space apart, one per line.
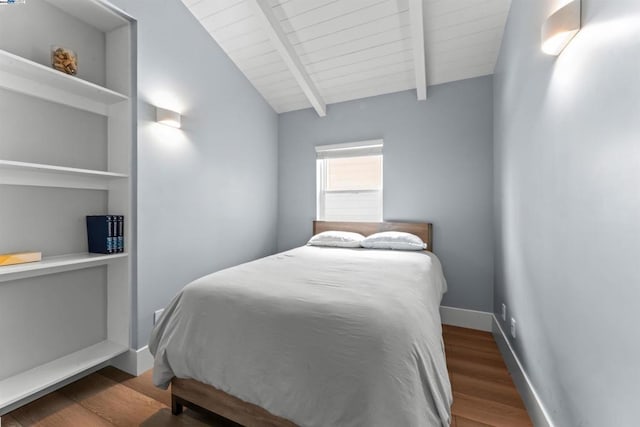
394 240
339 239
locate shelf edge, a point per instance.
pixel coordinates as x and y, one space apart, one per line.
41 167
48 265
69 366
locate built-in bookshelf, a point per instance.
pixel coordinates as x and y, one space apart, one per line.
114 101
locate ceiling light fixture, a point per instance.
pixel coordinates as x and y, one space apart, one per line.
560 28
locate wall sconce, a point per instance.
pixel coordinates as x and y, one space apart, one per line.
560 28
168 117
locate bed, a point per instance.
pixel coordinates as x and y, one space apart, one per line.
313 336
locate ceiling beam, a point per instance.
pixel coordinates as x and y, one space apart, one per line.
416 13
279 39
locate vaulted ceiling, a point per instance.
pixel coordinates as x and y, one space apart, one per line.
311 53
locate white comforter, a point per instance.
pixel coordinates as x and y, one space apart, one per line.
320 336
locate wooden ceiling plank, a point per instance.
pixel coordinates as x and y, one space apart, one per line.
359 31
238 29
464 64
291 9
464 19
285 85
251 51
476 54
293 106
347 48
372 82
229 16
342 22
364 75
490 34
495 22
278 102
453 48
272 72
357 57
272 26
381 88
417 38
378 62
444 7
256 63
454 74
271 93
287 99
328 12
244 40
205 8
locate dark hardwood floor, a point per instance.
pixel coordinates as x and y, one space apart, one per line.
484 395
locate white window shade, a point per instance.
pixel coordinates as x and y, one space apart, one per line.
349 181
352 206
350 149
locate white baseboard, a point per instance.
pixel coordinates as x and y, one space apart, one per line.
472 319
134 362
539 415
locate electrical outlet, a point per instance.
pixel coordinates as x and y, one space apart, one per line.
157 314
504 312
513 327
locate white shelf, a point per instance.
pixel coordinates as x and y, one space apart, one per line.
24 76
34 174
26 384
56 264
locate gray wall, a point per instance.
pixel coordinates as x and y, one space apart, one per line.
567 203
437 167
207 194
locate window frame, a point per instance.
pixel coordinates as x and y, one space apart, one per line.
346 150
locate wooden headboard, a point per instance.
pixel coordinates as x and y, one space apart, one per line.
424 230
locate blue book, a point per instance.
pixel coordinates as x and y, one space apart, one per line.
120 233
101 234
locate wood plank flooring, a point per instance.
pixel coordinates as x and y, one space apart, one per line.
484 395
483 392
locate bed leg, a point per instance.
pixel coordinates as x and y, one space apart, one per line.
176 405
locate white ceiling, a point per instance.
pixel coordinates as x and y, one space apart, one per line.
311 53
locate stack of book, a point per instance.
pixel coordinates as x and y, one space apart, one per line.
105 233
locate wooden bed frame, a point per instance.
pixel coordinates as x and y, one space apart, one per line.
189 392
423 230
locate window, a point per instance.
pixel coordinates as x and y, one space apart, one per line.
349 181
